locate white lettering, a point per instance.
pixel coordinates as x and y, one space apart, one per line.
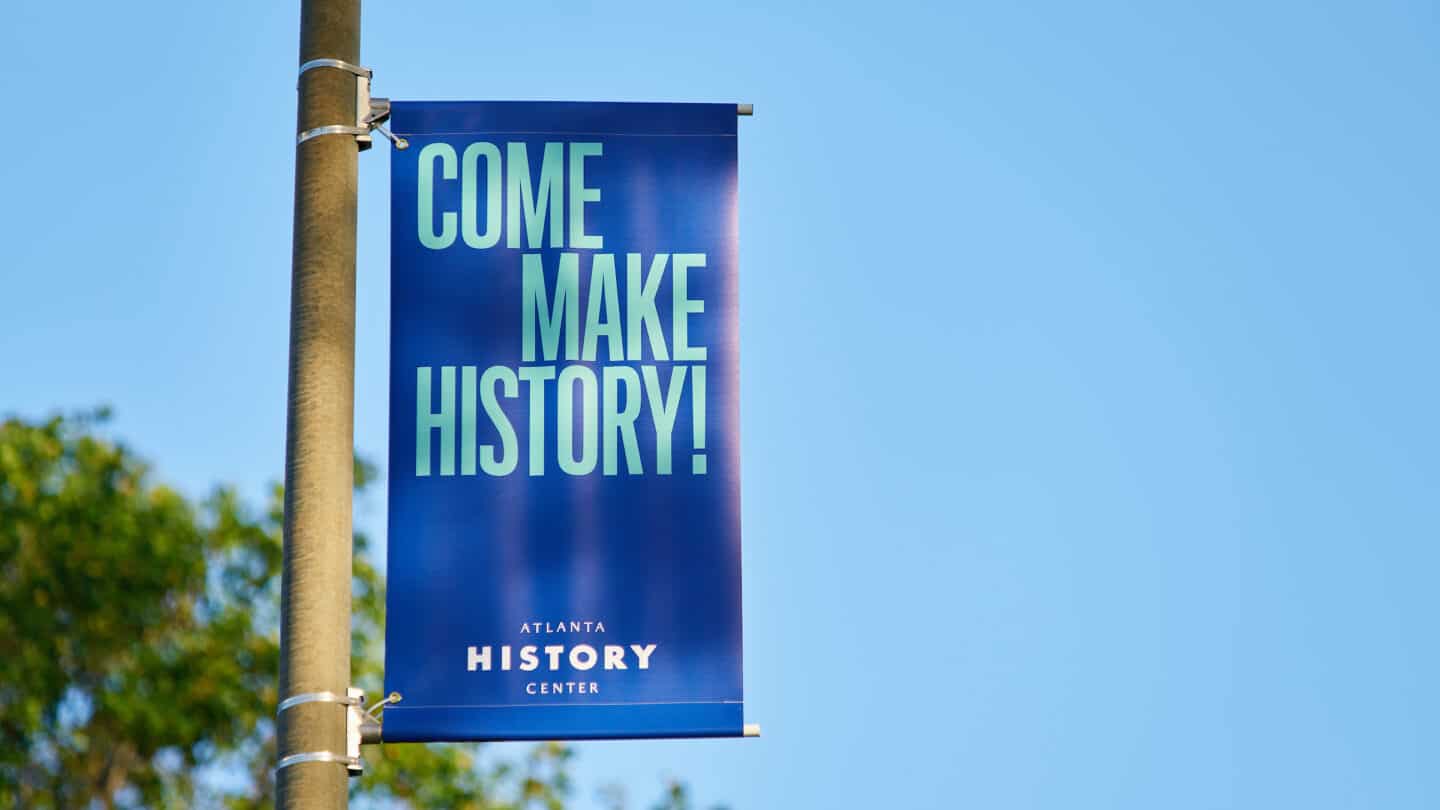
478 656
582 657
554 651
643 654
615 657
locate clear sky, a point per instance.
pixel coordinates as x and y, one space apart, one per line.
1089 385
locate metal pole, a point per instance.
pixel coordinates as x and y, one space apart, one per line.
319 441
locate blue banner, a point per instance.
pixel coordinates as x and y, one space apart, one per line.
564 510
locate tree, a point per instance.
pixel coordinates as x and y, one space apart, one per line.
139 645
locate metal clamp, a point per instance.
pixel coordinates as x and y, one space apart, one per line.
336 63
314 697
360 727
361 134
352 764
370 114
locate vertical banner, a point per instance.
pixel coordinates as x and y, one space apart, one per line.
564 511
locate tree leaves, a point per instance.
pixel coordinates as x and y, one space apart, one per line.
138 642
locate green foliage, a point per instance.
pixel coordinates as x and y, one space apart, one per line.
138 645
675 797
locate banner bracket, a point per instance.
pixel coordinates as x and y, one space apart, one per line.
361 727
370 113
370 732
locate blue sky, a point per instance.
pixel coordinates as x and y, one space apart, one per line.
1088 385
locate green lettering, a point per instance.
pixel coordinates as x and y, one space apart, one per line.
509 453
621 422
640 305
682 307
663 408
427 420
469 199
425 199
565 421
579 195
542 209
604 292
564 311
536 376
467 420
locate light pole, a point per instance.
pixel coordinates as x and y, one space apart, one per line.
319 440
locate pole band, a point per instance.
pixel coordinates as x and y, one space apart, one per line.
314 697
370 113
333 129
355 729
339 64
317 756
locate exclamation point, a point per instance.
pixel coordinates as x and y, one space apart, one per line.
697 414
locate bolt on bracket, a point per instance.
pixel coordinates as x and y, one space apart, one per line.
362 727
370 113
